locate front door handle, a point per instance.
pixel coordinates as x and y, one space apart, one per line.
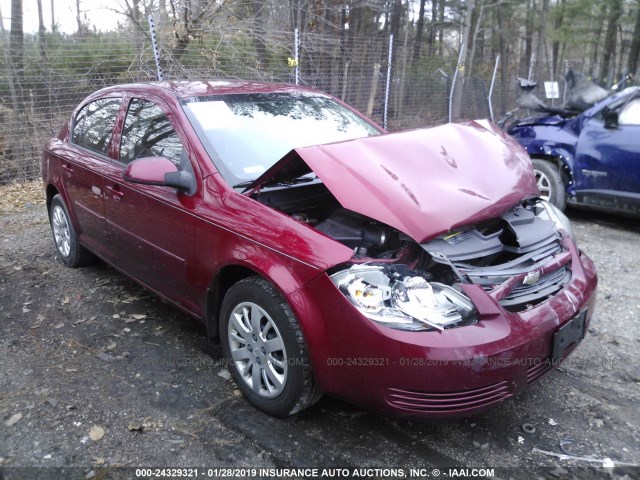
115 191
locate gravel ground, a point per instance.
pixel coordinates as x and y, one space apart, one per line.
97 373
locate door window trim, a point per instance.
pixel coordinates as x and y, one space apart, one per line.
114 132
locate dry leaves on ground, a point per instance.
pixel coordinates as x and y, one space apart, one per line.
16 197
15 418
96 433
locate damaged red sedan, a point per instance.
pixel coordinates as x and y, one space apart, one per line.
415 273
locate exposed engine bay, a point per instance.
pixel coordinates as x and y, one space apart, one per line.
315 206
519 258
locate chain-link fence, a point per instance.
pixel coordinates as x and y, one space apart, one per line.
380 77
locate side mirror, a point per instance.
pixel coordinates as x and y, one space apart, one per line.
159 171
610 118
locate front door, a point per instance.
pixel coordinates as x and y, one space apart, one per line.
608 160
152 227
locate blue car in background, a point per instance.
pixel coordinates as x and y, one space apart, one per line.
591 159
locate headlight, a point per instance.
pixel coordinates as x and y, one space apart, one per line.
394 296
560 220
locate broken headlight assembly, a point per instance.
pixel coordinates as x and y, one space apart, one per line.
549 211
394 296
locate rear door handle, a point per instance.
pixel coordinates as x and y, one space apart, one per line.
68 169
115 191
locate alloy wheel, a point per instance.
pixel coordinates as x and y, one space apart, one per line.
61 232
544 185
257 349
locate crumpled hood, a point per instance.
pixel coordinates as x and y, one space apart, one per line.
545 120
422 182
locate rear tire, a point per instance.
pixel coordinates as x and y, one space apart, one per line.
64 236
265 351
549 182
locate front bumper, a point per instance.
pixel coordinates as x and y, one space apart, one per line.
456 372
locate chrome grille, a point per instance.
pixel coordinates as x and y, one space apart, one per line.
522 295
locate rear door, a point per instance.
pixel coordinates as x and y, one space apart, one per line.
608 159
83 166
152 227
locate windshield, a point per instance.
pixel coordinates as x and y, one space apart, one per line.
245 134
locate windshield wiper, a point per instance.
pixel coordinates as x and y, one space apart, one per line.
301 179
246 184
288 181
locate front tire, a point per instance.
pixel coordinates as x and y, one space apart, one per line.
265 351
549 182
64 236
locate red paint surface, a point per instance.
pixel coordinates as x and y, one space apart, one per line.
422 182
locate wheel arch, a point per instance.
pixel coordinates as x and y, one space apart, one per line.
560 161
223 280
51 191
284 273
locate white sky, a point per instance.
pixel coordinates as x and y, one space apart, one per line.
94 12
98 13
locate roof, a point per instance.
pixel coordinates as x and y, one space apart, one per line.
194 88
182 89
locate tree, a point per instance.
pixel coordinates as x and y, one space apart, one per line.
525 58
464 41
634 49
189 19
7 61
16 49
558 18
469 17
609 54
81 26
53 17
503 52
419 31
396 20
258 7
476 39
441 25
432 27
600 19
164 17
298 14
41 30
541 37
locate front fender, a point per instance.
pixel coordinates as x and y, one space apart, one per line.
549 142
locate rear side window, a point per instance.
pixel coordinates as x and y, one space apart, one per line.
93 126
148 133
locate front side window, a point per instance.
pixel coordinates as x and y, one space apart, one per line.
148 133
245 134
93 126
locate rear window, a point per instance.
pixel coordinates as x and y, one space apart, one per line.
93 125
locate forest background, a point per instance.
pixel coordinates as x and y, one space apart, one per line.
405 63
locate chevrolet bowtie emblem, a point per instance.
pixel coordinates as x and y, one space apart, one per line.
531 278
